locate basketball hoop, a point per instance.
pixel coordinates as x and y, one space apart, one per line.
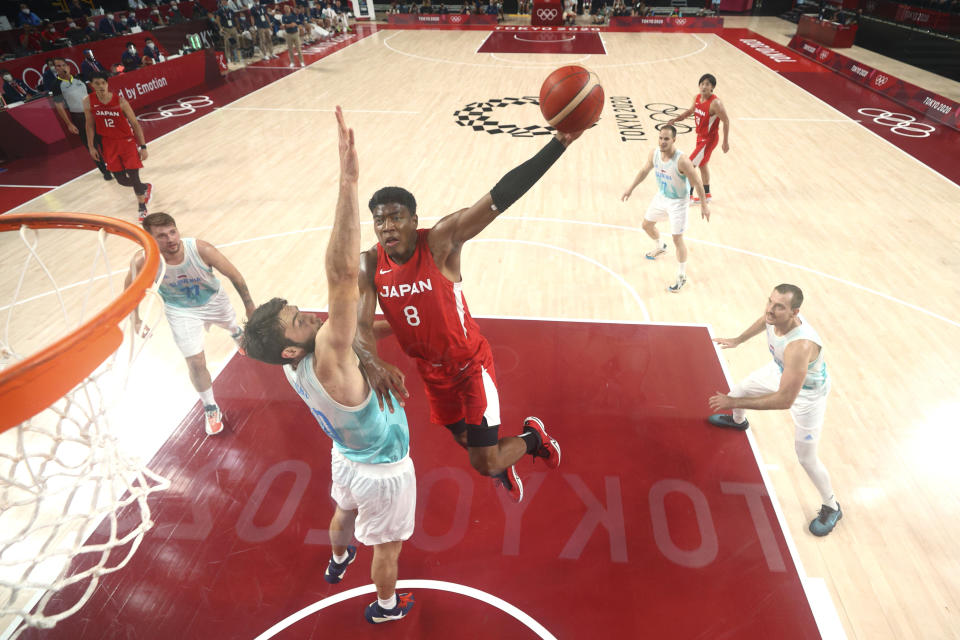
61 469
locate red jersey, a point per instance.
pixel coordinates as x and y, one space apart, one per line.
109 118
427 312
707 125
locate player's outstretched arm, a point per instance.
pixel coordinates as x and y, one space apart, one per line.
452 231
644 171
686 114
382 376
136 263
212 256
795 359
335 338
752 330
688 170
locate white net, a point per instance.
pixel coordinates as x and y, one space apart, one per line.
73 505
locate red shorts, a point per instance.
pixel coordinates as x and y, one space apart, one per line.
700 156
120 154
470 394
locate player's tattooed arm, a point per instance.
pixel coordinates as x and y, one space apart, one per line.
212 256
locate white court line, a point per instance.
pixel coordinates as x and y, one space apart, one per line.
616 276
311 110
801 119
791 545
28 186
540 64
439 585
589 223
879 137
212 112
570 39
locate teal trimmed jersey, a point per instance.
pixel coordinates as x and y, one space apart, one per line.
816 378
670 181
365 433
191 283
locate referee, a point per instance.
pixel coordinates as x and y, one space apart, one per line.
68 94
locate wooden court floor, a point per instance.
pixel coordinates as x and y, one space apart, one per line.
804 196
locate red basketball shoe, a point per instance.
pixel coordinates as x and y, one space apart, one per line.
510 480
549 450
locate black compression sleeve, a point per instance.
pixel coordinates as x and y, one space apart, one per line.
519 180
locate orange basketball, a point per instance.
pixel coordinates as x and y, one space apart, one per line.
571 99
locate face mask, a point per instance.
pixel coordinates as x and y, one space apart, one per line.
132 49
26 10
8 77
109 16
149 45
72 25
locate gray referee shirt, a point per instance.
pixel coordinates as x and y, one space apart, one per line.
71 92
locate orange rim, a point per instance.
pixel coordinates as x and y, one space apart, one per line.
33 384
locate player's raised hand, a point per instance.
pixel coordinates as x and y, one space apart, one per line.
727 343
349 164
567 138
383 378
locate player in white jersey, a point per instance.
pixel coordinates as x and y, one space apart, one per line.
796 380
193 300
674 173
374 484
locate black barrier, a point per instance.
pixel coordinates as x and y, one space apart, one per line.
936 53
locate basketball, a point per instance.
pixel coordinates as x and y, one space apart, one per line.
571 99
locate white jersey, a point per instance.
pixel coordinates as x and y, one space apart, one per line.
365 433
816 378
670 181
191 283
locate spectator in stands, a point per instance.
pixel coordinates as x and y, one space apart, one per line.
441 8
244 35
468 7
49 76
228 30
78 11
715 5
27 17
151 51
49 36
427 8
116 69
109 27
74 33
130 22
292 34
620 9
394 8
29 41
130 58
136 4
15 90
261 20
641 9
90 65
570 12
175 16
523 7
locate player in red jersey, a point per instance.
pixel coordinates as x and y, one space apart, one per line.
120 136
415 275
708 113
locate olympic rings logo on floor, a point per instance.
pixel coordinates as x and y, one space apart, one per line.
663 112
185 106
901 124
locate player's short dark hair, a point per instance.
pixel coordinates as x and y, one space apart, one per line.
58 58
792 289
669 127
263 337
130 44
393 195
158 219
102 75
710 78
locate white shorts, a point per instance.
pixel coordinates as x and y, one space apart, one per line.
189 323
807 411
385 495
675 209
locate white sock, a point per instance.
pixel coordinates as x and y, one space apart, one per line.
341 559
682 270
206 397
807 454
388 604
659 241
